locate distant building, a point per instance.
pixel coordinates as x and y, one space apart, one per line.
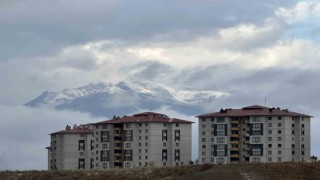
254 134
71 148
145 139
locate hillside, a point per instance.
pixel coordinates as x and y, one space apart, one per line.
203 172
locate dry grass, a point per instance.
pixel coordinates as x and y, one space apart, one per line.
257 171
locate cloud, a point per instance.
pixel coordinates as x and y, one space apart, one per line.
24 134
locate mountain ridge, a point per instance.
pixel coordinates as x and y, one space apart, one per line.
106 99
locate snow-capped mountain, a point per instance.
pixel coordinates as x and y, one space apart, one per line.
107 99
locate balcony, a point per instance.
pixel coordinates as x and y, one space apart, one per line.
235 128
234 149
235 156
234 135
234 142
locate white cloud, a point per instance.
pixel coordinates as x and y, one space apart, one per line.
299 12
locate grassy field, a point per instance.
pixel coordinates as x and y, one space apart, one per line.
239 171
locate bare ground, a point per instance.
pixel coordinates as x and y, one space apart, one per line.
204 172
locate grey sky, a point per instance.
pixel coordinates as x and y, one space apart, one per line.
249 48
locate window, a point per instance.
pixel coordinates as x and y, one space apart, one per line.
256 152
177 125
220 160
104 136
146 144
270 145
146 130
203 146
220 147
128 135
203 133
177 155
104 155
256 125
146 157
164 135
104 146
203 139
81 145
221 126
212 139
164 155
212 125
164 124
279 118
279 131
139 144
279 159
269 118
220 140
203 153
269 138
279 138
139 130
220 153
220 133
279 145
146 150
128 145
164 144
146 137
270 152
128 155
104 126
127 164
220 119
177 144
270 159
279 152
146 124
256 159
128 125
203 119
140 138
256 139
212 133
269 124
104 165
203 126
279 124
269 131
177 135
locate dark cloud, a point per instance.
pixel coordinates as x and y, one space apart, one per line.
37 28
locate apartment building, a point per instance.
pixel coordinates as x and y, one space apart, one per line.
144 139
71 148
141 140
254 134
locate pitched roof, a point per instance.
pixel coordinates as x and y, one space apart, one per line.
255 110
74 130
144 117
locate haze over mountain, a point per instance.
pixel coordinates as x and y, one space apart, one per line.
108 99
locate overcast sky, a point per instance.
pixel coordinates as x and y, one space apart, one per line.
252 49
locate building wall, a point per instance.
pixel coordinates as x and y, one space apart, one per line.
146 144
281 136
65 153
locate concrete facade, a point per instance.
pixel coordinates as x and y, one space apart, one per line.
145 139
254 134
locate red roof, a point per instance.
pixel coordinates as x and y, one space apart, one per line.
144 117
254 110
75 130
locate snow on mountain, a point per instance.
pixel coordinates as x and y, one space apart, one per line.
102 99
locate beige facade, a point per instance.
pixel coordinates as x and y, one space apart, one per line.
254 134
146 139
71 148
